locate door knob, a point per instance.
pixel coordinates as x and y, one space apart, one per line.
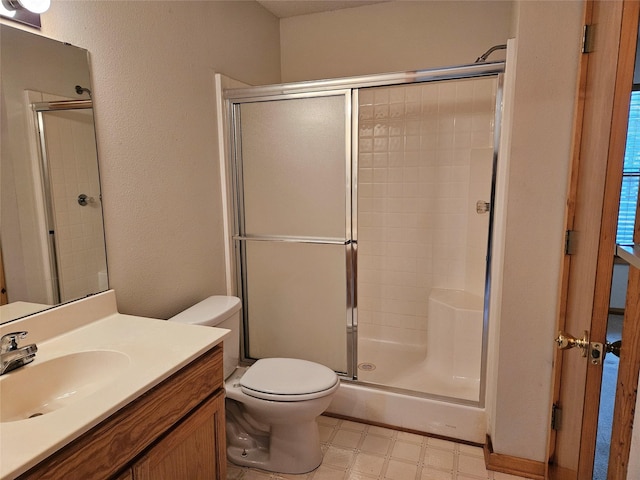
614 347
566 341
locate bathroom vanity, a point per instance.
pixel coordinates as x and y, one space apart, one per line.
154 411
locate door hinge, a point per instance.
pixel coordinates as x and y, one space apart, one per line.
556 417
570 242
587 38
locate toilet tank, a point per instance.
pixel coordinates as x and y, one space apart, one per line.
218 311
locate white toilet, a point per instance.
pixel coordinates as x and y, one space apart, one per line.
271 406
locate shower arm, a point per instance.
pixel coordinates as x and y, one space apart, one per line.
485 55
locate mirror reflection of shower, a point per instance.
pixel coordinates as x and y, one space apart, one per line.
74 249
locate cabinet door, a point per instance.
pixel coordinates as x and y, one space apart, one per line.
195 449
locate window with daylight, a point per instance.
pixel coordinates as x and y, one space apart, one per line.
630 174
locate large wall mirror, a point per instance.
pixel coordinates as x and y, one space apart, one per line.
51 229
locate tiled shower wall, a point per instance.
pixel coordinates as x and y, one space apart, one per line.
425 159
73 170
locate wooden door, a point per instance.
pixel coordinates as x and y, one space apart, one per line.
194 450
3 284
606 76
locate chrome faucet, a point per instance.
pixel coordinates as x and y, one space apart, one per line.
13 356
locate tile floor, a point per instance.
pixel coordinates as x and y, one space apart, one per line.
355 451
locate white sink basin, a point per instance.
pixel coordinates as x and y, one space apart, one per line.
41 388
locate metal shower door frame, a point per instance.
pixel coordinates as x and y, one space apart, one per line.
39 109
350 87
240 236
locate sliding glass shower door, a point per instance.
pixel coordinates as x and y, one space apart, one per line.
292 174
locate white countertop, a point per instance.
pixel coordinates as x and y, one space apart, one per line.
14 310
156 349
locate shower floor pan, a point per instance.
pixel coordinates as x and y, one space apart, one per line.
408 367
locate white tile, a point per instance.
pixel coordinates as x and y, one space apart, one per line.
338 457
406 451
430 474
505 476
366 112
381 96
234 472
397 95
396 110
381 112
329 473
441 444
346 438
290 476
376 444
413 94
381 431
471 465
399 470
365 97
349 425
368 464
441 459
361 476
325 432
380 144
252 474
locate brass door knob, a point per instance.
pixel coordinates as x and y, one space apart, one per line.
566 341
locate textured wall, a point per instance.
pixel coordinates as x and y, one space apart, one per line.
393 36
153 65
547 53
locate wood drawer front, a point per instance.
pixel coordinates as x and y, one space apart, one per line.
107 448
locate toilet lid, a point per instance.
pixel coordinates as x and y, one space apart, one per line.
287 379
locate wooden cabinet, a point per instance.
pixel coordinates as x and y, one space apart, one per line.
176 430
189 450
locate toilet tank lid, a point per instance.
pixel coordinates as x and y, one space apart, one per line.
211 311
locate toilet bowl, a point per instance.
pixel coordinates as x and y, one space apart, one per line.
271 407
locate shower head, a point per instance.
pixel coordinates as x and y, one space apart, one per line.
80 90
483 58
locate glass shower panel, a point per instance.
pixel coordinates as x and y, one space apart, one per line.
296 300
293 166
69 152
425 169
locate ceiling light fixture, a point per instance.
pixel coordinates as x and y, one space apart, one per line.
5 12
24 11
34 6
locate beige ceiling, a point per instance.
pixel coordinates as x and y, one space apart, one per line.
292 8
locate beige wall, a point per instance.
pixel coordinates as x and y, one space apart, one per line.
389 37
548 51
413 35
153 65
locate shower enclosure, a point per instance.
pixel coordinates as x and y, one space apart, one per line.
74 253
363 225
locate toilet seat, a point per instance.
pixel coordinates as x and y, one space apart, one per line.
288 380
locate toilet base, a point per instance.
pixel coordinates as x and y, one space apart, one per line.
289 449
